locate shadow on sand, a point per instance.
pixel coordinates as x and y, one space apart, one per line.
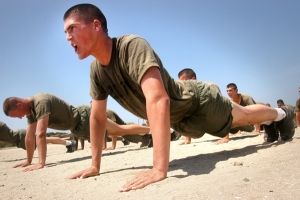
205 163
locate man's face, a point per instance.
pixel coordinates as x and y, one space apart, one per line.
185 76
16 113
231 92
279 104
80 35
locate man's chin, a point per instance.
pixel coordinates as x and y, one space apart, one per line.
81 57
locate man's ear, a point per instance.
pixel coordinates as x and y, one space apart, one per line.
97 25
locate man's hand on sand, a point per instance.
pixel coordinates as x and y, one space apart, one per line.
92 171
34 167
22 164
143 179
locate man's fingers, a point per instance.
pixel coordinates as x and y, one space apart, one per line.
23 164
33 167
84 174
27 169
88 174
137 183
143 179
74 176
133 186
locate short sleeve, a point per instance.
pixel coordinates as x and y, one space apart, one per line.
43 108
141 57
97 92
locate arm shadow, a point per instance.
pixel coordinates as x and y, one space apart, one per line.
110 153
205 163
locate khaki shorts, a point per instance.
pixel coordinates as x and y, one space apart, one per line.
210 113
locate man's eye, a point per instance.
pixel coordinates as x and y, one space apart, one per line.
70 29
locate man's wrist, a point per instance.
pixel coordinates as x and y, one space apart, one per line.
42 163
96 165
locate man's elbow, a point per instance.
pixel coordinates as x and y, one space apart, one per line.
41 135
166 100
29 139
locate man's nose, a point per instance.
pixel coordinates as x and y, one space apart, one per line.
68 36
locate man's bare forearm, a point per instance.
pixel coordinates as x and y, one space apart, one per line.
97 136
159 119
30 147
42 147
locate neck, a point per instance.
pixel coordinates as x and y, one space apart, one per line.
103 50
28 106
237 98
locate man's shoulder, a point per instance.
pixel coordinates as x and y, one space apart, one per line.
94 63
44 96
46 99
125 40
20 132
108 111
246 96
247 99
111 113
3 127
128 37
2 124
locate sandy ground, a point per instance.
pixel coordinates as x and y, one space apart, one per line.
244 168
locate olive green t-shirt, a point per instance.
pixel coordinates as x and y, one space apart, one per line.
62 116
298 105
131 57
246 100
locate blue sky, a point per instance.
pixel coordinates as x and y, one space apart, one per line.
254 43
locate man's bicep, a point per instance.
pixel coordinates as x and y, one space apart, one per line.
152 84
